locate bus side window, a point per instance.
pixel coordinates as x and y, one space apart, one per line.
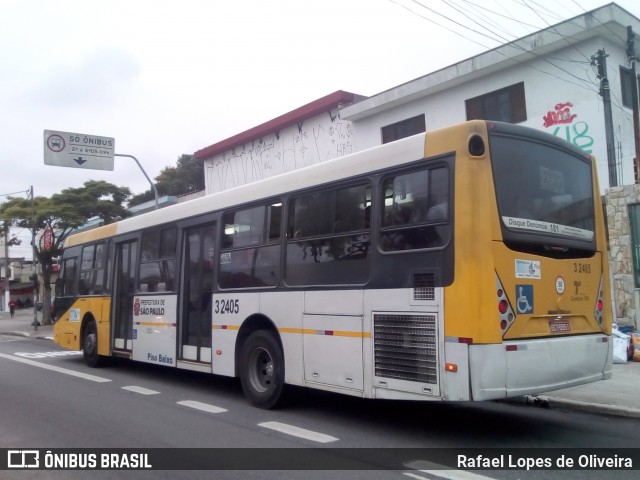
68 277
250 257
157 268
329 242
416 210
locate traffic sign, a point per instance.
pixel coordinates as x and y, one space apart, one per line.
78 150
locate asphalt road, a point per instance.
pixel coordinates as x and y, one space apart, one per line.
50 400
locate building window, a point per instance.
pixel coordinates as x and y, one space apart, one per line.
627 85
504 105
634 222
403 129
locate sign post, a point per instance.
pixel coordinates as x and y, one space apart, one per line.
78 150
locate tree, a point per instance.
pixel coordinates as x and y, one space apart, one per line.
186 177
58 216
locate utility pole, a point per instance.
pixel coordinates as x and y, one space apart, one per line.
600 60
632 58
7 292
34 278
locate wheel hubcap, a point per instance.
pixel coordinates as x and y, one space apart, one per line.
90 343
263 371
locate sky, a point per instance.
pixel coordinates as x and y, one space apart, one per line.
166 78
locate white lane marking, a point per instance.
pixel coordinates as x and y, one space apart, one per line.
456 475
205 407
66 371
299 432
448 474
140 390
59 353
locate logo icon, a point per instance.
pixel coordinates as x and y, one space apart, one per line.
524 295
23 459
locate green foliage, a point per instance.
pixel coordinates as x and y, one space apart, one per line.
186 177
63 213
68 210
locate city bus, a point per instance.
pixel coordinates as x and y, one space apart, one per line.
465 263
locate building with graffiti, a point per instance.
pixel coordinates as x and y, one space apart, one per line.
305 136
574 80
552 79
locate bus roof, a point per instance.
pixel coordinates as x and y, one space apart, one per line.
376 158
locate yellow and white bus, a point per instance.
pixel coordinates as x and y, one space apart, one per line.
465 263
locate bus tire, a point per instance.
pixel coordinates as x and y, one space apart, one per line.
90 346
262 370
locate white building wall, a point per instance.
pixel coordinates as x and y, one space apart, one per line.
318 139
553 83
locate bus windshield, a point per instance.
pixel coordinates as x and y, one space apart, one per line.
545 196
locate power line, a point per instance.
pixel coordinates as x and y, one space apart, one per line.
455 7
14 193
587 59
554 29
511 45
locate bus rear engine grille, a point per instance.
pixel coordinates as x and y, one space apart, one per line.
424 286
405 347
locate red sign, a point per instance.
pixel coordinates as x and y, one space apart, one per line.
47 239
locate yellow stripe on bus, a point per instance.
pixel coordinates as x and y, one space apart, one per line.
333 333
105 231
155 324
304 331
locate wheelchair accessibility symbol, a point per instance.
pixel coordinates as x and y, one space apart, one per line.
524 296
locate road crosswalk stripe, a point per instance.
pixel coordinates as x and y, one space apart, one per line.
299 432
140 390
205 407
53 368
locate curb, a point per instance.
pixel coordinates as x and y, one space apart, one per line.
604 409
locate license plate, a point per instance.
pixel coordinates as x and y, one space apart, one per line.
559 325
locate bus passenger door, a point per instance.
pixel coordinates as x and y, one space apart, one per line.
199 261
126 254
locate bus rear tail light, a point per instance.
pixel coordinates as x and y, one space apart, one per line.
451 367
506 316
597 312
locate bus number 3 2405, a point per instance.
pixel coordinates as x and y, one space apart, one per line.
226 306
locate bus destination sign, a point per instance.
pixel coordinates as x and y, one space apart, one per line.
78 150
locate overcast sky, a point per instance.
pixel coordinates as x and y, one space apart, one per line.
171 77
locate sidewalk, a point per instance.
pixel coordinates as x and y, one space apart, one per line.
619 395
21 324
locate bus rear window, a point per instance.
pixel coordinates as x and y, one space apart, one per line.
544 194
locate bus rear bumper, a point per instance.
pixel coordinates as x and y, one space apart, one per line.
529 367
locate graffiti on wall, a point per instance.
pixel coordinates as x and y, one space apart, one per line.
307 143
562 119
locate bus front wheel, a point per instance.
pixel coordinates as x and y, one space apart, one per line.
90 345
262 369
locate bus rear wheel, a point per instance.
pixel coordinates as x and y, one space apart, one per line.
262 370
90 346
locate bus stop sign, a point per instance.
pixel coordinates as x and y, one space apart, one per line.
78 150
